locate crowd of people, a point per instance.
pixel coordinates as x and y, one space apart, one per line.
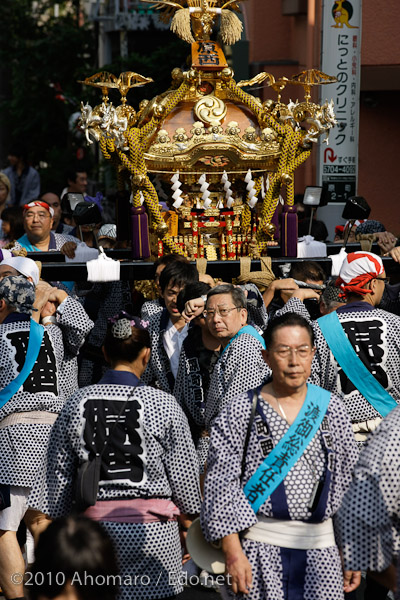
272 417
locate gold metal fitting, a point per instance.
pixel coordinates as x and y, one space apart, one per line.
138 180
286 178
227 74
268 105
269 229
162 229
192 75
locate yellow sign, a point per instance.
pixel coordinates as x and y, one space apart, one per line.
208 56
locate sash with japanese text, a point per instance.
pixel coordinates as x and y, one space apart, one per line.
289 449
351 364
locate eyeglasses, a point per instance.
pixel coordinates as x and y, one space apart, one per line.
41 216
285 351
384 279
222 312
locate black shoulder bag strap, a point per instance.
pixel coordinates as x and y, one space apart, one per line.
88 473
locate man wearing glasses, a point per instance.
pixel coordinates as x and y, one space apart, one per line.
241 366
39 237
38 223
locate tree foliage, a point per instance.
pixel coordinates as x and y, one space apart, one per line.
42 58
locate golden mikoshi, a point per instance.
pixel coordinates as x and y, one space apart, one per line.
227 154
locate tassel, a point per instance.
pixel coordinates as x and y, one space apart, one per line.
103 268
231 27
180 25
140 233
289 231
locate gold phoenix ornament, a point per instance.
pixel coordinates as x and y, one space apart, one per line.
200 16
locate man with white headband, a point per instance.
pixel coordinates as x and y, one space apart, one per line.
374 336
20 265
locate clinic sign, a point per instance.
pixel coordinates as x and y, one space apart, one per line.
341 52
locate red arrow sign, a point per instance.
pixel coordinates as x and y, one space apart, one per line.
329 153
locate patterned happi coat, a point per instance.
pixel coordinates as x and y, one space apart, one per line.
24 446
369 518
75 325
151 455
240 368
196 364
279 573
150 308
391 299
375 337
158 372
57 241
112 297
257 313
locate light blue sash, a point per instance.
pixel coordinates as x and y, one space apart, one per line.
24 241
289 449
36 333
353 366
251 331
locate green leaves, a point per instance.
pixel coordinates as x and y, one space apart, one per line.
41 58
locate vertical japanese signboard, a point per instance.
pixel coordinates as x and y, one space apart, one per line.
341 52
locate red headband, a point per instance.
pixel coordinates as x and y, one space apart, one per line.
356 286
39 203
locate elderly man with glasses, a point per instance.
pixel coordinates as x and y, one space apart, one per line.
280 460
241 366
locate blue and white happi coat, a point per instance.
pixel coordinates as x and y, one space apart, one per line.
75 325
375 337
369 517
24 446
279 573
241 367
150 455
